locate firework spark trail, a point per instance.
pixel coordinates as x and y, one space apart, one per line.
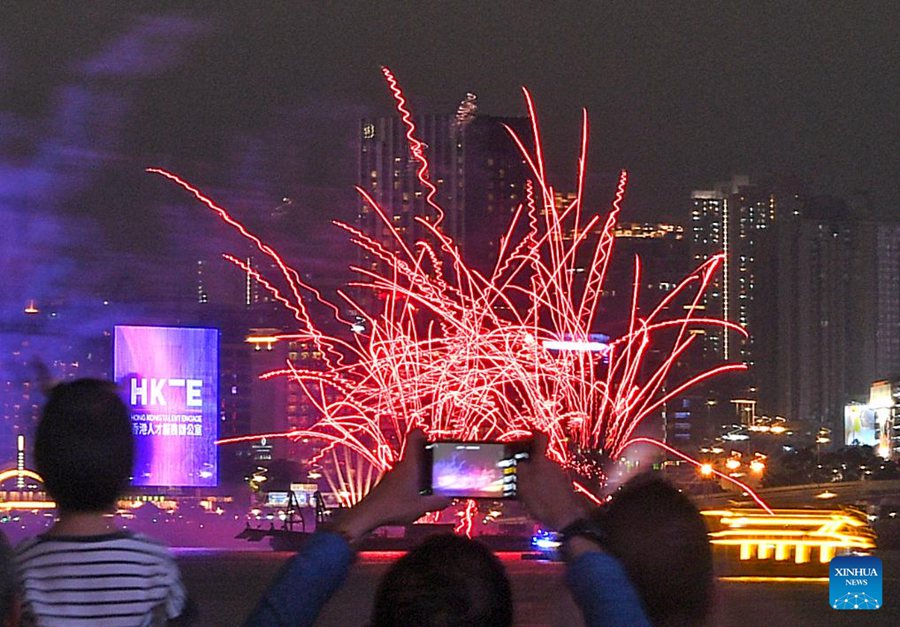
458 353
416 148
290 275
274 291
587 493
696 463
466 519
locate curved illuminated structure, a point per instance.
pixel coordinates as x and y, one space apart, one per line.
790 535
16 473
13 500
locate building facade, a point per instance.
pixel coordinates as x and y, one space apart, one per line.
477 169
733 219
835 311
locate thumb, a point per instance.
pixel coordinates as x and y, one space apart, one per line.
415 437
414 445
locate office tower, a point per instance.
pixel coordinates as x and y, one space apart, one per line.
256 404
476 167
665 261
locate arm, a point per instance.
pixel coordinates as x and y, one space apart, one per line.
603 592
598 582
305 583
310 578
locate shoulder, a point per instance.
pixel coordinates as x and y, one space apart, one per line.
28 548
145 544
25 545
120 542
139 539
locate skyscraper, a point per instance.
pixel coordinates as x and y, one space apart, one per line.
836 310
663 251
476 167
732 218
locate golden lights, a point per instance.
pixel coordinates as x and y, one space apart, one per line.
790 534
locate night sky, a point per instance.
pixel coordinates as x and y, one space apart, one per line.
682 94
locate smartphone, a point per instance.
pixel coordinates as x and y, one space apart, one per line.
472 470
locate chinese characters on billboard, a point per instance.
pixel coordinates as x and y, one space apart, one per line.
169 378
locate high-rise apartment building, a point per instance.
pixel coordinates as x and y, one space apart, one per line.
733 218
476 167
887 296
663 250
835 311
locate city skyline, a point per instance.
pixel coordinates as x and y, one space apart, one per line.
92 96
586 295
280 145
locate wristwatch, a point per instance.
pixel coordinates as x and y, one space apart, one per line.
583 528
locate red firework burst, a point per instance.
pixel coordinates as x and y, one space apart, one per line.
488 356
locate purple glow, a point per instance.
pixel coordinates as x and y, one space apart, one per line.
169 380
470 470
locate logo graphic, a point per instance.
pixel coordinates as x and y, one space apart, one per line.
170 380
855 582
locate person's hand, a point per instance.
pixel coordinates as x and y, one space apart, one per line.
395 500
546 491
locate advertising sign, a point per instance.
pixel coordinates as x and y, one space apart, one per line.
169 378
859 425
303 493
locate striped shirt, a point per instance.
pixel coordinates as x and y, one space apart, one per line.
118 579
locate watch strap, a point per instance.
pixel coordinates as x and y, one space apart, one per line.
583 528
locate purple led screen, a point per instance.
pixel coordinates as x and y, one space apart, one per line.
169 377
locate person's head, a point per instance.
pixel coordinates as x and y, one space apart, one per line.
661 539
84 448
9 594
446 581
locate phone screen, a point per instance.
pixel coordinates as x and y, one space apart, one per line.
471 469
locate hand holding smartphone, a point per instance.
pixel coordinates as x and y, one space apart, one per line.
472 470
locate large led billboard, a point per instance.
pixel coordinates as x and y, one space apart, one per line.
169 377
860 428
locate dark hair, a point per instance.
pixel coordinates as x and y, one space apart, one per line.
446 581
661 539
84 449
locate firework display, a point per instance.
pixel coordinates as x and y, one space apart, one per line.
468 355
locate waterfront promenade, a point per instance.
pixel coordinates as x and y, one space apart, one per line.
226 584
